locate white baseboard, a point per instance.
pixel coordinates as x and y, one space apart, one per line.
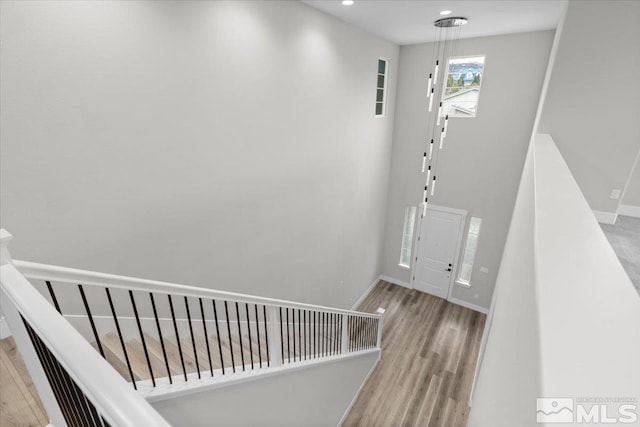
468 305
355 397
628 210
606 217
4 329
364 295
395 281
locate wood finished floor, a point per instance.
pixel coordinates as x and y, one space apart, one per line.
21 405
429 352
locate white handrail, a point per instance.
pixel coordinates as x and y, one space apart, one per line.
109 392
38 271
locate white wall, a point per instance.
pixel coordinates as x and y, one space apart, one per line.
483 157
592 107
231 145
308 397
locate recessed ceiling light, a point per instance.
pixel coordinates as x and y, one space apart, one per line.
347 2
444 12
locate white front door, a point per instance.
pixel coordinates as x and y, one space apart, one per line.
437 250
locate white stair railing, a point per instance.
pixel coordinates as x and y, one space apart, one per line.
190 337
77 387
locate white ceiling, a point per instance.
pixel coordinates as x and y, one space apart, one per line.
411 21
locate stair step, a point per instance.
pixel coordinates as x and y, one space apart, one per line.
115 356
138 359
155 348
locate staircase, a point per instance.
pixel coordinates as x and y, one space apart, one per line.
100 347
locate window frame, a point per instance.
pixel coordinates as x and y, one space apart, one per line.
459 280
446 74
384 87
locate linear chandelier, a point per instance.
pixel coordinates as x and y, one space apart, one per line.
446 45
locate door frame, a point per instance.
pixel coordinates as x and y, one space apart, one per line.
456 258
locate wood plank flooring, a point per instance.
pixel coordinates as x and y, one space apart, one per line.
21 405
429 352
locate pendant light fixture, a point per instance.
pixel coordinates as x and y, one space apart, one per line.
445 46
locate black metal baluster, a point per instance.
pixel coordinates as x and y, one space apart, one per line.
164 351
356 334
193 338
144 344
175 329
315 336
85 412
215 316
58 386
304 332
226 311
255 306
299 337
93 325
266 334
324 333
281 336
53 297
340 319
240 335
357 322
375 333
367 335
288 348
206 335
124 347
373 336
309 332
246 308
350 328
69 393
335 333
366 332
319 334
293 331
329 333
363 321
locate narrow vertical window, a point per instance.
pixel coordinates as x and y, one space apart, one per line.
470 249
407 236
381 86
